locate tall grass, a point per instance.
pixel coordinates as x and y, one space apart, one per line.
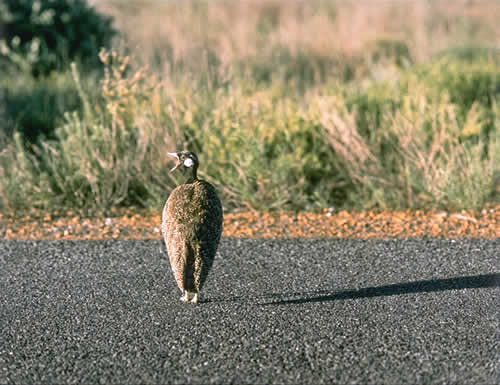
35 106
419 158
285 111
299 41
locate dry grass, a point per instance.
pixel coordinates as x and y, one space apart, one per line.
175 33
296 105
419 156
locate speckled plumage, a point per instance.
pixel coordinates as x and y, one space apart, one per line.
191 227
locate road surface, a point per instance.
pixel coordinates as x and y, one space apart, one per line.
275 311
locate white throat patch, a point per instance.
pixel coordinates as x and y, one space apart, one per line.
188 162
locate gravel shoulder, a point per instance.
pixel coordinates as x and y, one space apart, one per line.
133 224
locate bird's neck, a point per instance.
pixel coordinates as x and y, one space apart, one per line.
188 175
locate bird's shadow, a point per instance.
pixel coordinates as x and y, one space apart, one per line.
421 286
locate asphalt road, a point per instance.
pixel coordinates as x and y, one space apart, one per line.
275 311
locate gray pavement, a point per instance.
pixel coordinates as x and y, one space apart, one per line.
274 311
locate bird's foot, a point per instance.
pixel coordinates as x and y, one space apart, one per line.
185 296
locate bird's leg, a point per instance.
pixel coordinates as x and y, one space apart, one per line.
185 297
195 298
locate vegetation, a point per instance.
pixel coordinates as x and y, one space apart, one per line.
285 110
43 35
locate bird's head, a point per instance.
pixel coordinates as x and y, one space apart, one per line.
187 164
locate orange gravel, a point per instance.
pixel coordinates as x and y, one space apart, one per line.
328 223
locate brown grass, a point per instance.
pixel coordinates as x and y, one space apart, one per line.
180 31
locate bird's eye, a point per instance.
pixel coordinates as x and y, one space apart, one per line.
188 162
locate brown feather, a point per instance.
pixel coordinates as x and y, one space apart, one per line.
192 227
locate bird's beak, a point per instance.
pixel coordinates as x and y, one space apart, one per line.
174 154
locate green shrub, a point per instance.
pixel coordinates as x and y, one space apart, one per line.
92 162
396 51
470 53
397 143
266 151
465 83
411 144
43 35
471 87
34 107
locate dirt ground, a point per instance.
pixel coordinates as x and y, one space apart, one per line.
327 223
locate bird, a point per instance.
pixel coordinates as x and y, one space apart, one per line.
192 219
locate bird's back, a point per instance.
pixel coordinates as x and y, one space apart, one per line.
192 227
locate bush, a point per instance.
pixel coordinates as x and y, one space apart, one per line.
34 107
44 35
467 83
391 50
266 151
405 142
429 139
423 164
